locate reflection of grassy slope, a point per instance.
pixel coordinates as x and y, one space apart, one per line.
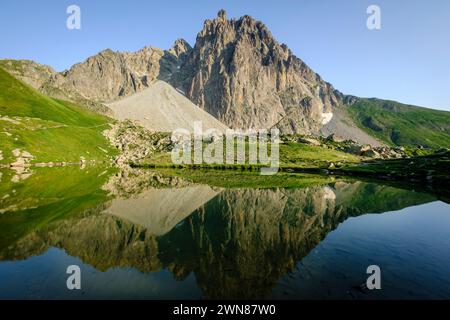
361 197
51 130
400 124
48 195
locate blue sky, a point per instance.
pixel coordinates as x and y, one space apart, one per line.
408 60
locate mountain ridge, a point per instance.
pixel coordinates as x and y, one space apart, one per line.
240 74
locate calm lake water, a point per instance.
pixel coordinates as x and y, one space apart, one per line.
140 234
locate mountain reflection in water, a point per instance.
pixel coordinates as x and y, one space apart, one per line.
235 242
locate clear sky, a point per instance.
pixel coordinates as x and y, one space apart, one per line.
408 60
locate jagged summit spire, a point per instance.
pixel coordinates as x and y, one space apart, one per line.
180 41
180 47
238 72
222 14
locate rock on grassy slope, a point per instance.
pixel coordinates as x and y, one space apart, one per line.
45 129
134 142
162 108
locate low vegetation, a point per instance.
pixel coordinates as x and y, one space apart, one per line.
402 125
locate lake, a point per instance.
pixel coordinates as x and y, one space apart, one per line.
167 234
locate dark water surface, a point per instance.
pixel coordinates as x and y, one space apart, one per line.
160 235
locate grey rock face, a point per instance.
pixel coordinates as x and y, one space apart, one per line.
110 75
239 73
180 49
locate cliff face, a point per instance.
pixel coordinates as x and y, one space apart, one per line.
110 75
240 74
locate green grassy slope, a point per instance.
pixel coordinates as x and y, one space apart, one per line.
291 155
40 75
51 130
303 155
400 124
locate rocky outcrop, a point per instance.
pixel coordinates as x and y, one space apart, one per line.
180 49
240 74
135 142
23 158
21 166
349 146
111 75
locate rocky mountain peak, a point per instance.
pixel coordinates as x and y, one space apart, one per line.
180 48
239 73
106 52
111 75
222 15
